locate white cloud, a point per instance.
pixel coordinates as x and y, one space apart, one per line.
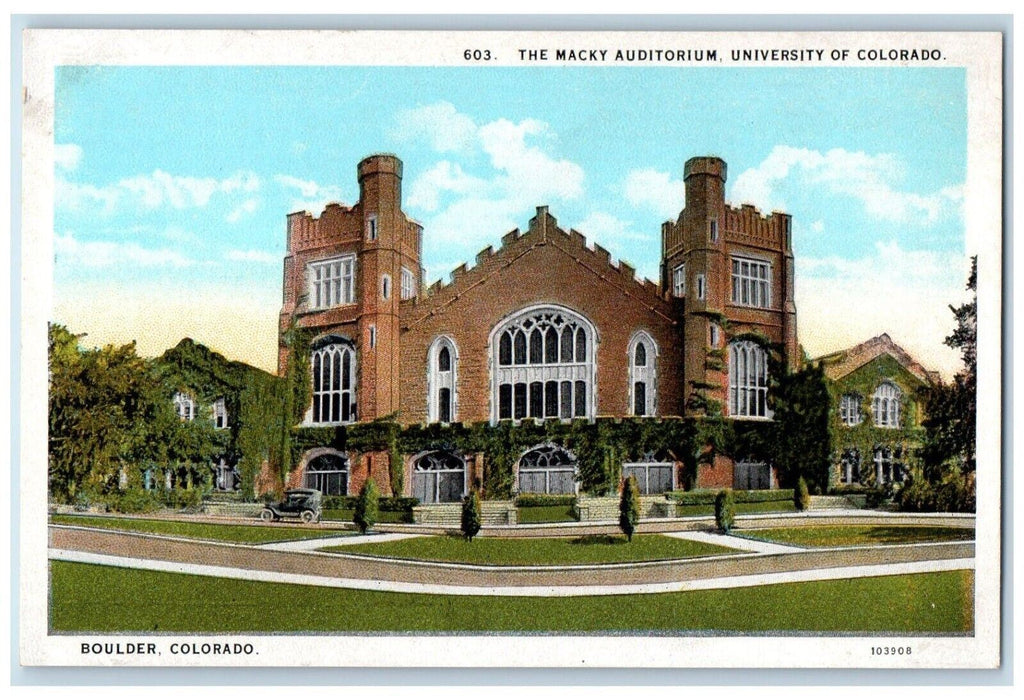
908 293
246 207
657 191
67 156
818 226
259 256
70 250
312 197
440 124
868 178
442 177
470 207
153 191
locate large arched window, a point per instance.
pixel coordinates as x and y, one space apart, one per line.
442 366
547 469
748 380
328 474
333 366
439 477
643 355
885 405
543 365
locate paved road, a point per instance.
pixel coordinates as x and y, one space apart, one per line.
357 571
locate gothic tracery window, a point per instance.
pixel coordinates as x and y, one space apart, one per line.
748 380
642 375
441 381
333 366
543 366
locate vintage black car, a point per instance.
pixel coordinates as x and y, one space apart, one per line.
297 503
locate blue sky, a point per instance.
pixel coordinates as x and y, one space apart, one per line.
172 184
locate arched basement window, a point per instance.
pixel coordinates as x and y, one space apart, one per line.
442 363
643 353
654 473
439 477
748 380
333 366
547 469
328 474
543 366
885 405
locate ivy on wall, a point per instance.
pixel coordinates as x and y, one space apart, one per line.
866 436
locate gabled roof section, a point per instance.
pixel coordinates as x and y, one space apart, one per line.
841 363
543 231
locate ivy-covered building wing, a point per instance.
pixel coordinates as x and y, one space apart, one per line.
875 388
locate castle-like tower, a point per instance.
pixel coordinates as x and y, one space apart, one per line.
345 274
733 270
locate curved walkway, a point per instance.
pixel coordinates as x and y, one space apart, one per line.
262 563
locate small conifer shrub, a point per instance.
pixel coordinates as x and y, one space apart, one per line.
725 510
367 507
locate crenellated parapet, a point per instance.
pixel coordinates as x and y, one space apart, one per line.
746 222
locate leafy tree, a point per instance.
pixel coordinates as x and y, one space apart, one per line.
471 515
801 496
367 506
725 510
952 408
629 507
102 403
801 436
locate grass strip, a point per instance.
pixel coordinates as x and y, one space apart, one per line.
241 534
588 549
90 598
851 535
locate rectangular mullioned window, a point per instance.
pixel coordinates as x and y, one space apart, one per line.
751 282
331 282
408 284
679 281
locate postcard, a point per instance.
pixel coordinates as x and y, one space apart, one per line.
526 349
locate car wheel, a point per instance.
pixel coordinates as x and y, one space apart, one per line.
308 516
267 515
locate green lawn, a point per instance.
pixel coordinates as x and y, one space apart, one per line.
683 511
848 535
546 514
244 534
89 598
589 549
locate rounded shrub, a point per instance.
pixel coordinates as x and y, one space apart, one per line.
725 510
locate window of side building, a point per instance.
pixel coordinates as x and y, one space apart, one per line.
331 282
751 282
885 405
220 414
184 406
849 409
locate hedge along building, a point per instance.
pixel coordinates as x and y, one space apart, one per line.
875 387
544 329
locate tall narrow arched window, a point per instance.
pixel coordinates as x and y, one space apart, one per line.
748 380
885 405
643 355
442 363
547 468
333 366
543 365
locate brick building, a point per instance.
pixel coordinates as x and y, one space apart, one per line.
545 327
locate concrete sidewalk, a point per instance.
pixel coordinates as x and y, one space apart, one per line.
345 540
741 543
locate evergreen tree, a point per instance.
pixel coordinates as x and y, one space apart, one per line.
725 510
802 442
629 507
801 496
471 515
367 506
